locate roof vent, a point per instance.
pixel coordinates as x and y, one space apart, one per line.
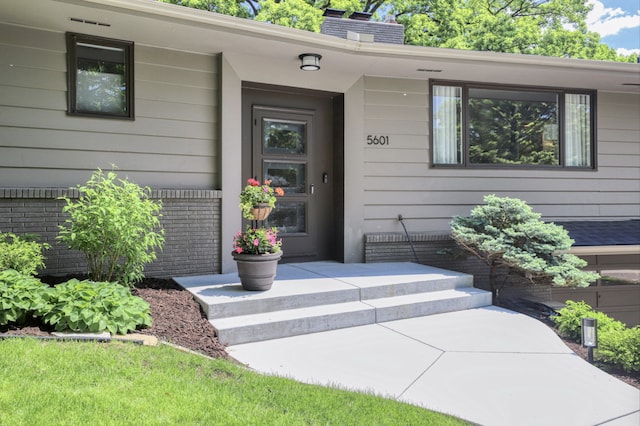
90 22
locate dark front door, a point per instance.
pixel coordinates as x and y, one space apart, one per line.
291 144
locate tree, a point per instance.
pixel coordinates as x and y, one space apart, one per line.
506 233
225 7
291 13
537 27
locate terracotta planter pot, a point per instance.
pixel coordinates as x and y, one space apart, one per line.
261 211
257 271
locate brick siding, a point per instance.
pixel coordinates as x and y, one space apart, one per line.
431 249
191 220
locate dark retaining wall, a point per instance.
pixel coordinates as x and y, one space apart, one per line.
439 250
191 220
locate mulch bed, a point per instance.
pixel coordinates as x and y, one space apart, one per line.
178 319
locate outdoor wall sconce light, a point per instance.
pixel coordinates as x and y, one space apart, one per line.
590 336
310 61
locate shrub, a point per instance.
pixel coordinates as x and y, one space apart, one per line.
507 233
21 295
116 226
569 320
620 348
21 253
87 306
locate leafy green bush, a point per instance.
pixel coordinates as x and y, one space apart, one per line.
116 226
569 320
618 345
620 348
87 306
21 295
21 253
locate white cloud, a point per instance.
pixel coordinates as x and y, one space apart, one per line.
626 52
610 21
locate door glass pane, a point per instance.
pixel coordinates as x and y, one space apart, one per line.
284 137
289 217
289 176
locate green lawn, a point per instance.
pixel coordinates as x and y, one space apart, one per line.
67 383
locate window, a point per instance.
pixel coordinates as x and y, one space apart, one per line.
477 125
100 77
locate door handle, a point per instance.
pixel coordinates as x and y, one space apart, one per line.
312 188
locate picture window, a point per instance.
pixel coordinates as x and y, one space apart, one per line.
494 126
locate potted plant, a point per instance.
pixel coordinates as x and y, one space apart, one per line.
257 200
257 250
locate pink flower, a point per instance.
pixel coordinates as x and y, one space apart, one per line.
253 182
239 250
256 242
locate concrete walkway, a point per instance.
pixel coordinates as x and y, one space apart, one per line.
487 365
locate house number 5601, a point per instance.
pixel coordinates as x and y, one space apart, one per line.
377 140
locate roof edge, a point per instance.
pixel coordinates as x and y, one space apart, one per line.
275 32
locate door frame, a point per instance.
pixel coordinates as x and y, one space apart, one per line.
304 100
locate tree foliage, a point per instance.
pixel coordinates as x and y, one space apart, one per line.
507 233
537 27
291 13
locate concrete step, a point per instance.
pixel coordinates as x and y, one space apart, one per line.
321 296
291 322
438 302
319 283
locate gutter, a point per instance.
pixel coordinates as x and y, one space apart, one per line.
251 28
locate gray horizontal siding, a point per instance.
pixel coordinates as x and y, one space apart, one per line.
172 143
398 179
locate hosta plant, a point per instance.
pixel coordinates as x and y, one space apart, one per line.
86 306
21 296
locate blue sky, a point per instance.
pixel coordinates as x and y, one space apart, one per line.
618 23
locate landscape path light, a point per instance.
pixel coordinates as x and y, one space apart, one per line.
590 336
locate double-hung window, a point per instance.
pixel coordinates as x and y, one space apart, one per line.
475 125
100 76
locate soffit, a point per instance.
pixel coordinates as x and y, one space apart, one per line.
267 53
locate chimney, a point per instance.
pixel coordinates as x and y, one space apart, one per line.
358 27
